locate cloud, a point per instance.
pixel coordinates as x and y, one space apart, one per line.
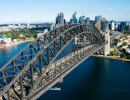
110 10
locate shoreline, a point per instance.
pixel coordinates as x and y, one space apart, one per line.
110 57
8 45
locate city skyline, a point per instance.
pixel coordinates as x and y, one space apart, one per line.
46 11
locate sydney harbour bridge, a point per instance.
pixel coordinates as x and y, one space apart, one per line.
47 60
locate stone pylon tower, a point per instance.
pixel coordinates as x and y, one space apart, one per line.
84 39
107 46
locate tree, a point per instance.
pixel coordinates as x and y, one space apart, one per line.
116 41
124 56
123 50
124 43
128 57
127 32
113 53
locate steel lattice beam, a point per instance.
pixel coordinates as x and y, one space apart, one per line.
27 69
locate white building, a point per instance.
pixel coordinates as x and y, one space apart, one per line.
28 25
40 34
46 30
119 43
4 39
128 50
116 26
112 25
52 26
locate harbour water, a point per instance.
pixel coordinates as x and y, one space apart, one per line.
94 79
7 53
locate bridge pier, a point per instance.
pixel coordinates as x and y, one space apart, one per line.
107 46
84 39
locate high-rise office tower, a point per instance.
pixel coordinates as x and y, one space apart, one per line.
87 20
57 19
123 26
128 27
60 19
71 21
116 26
104 25
98 19
107 26
92 22
112 25
74 19
81 19
74 15
98 22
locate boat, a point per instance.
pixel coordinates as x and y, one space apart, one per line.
56 89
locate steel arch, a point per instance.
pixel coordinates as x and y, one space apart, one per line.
57 38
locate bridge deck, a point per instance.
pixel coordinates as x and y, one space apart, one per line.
28 83
64 66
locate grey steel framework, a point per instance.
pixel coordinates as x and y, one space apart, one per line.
43 63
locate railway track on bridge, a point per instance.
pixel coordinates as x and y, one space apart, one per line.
36 68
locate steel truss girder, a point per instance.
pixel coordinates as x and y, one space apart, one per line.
44 49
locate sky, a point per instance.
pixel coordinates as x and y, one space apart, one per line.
17 11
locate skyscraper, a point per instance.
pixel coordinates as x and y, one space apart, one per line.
112 25
105 25
87 20
128 27
71 21
60 19
74 19
74 15
98 19
81 19
98 22
123 26
92 22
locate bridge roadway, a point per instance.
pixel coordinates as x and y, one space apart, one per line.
63 67
57 71
60 69
115 34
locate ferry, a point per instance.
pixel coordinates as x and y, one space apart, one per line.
56 88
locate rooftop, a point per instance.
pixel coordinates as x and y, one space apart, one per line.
127 50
